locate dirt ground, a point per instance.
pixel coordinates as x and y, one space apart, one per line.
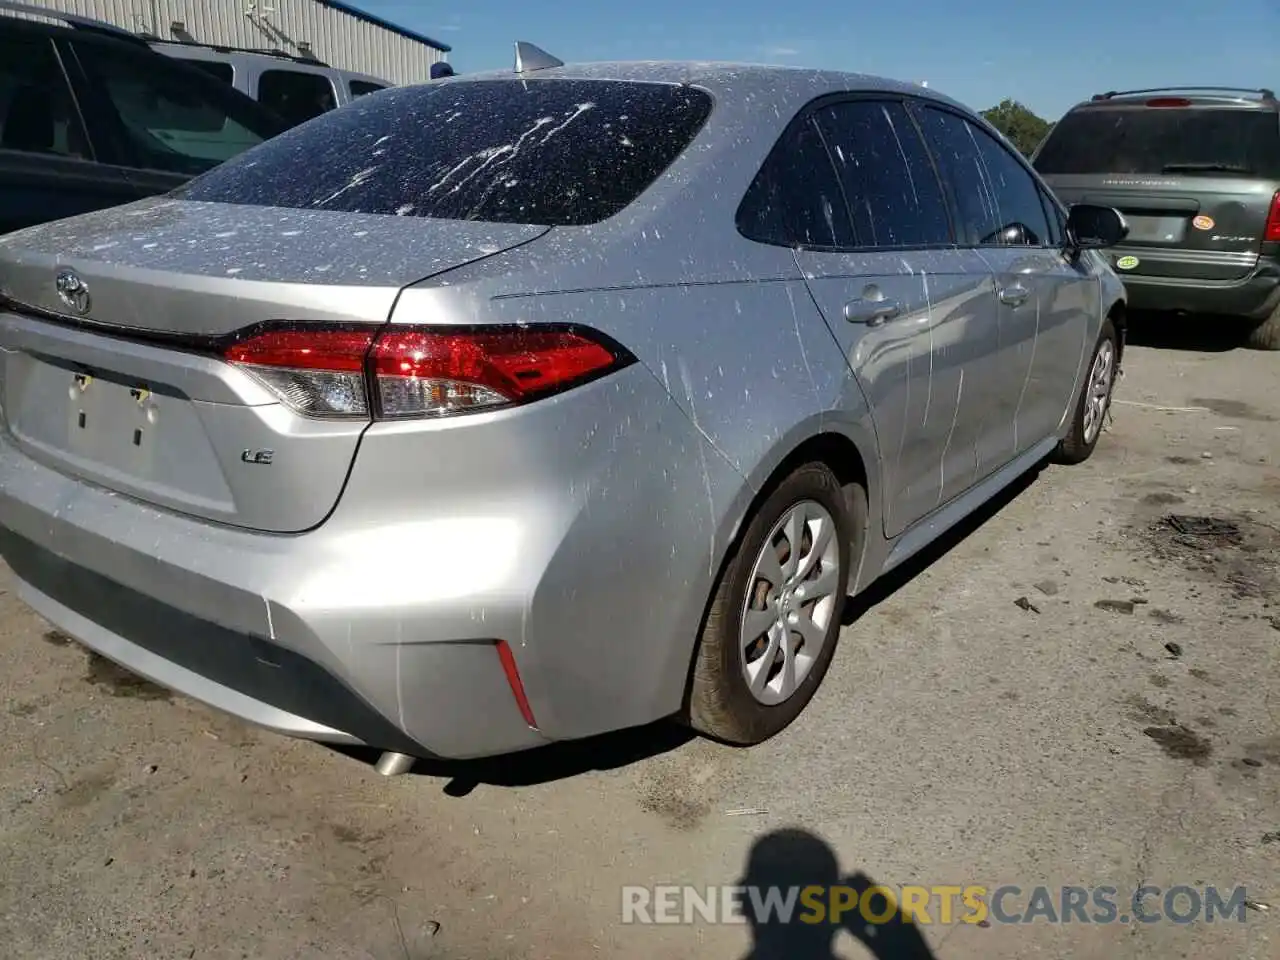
1117 726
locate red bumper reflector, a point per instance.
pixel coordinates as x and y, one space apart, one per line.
517 687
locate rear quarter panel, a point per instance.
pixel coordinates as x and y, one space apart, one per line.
746 371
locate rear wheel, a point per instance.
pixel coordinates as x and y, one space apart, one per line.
772 625
1095 399
1266 335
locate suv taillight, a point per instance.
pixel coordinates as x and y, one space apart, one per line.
1272 233
397 373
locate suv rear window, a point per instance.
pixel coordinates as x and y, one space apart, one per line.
552 152
294 95
1144 140
215 68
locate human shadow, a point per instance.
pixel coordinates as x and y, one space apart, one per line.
793 859
1175 331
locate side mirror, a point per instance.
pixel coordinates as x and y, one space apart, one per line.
1091 227
440 70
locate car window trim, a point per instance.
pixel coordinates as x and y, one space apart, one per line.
983 125
805 115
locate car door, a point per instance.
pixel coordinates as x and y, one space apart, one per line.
1042 294
912 312
164 120
48 167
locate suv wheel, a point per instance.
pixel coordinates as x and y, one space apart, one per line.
1266 335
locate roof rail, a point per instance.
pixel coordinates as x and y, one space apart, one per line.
223 48
72 20
1263 92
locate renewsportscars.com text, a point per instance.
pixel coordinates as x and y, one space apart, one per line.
942 904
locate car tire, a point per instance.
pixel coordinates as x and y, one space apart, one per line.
1100 380
828 519
1266 335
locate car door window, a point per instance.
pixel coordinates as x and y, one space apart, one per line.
795 200
997 200
215 68
1057 221
892 190
1021 208
170 119
295 95
360 87
37 112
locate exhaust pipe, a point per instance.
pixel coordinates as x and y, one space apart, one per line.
393 764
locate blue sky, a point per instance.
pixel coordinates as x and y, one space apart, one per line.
1047 54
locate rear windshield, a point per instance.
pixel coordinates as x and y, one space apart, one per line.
1174 140
551 152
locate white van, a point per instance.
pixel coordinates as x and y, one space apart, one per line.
294 88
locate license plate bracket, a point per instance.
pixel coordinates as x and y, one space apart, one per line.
112 424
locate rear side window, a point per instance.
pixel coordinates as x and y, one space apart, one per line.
360 87
889 183
215 68
295 96
37 114
553 152
795 200
997 200
170 119
1210 141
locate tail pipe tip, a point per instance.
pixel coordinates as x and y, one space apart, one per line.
394 764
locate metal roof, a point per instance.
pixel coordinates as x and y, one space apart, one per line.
386 24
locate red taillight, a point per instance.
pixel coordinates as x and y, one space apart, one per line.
1169 102
431 373
305 349
418 372
1272 233
317 372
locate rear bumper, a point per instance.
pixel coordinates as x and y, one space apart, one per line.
238 673
226 618
381 626
1253 297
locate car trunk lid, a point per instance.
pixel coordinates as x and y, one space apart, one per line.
120 381
181 268
1195 181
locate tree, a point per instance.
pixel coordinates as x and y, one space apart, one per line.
1023 128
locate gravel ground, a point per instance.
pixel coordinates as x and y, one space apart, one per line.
1069 691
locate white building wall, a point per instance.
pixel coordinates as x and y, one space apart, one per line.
336 37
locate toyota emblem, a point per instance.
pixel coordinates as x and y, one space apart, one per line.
73 291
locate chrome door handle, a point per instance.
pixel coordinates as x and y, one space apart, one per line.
871 312
1014 295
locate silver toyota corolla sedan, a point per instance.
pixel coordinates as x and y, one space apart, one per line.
513 409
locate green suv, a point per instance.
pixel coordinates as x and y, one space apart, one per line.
1196 172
